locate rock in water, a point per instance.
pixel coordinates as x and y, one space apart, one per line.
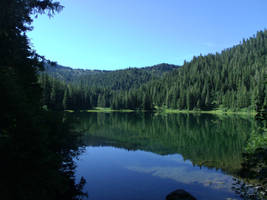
180 195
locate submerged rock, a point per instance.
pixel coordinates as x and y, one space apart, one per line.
180 195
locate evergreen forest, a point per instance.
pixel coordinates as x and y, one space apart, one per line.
36 146
230 80
38 143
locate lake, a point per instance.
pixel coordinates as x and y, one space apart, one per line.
147 156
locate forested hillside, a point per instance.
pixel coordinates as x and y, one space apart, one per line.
232 79
115 80
67 74
82 89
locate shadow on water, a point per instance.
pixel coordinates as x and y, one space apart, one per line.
252 184
38 164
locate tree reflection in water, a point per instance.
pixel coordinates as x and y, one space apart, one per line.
254 166
38 163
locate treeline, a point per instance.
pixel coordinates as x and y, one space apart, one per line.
115 80
59 95
231 80
87 89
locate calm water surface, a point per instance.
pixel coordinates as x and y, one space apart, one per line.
146 156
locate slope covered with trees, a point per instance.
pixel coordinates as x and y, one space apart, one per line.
67 74
83 89
230 80
115 80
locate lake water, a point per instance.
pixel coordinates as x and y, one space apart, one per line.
134 156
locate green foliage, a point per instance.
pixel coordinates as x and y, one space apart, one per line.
254 165
19 63
231 80
115 80
98 88
257 140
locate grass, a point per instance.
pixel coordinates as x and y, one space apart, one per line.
99 109
216 111
169 111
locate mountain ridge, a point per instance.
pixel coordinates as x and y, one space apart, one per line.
69 74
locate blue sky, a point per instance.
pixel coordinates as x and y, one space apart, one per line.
116 34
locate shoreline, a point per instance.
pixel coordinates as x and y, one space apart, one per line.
170 111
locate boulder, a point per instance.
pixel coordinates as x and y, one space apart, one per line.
180 195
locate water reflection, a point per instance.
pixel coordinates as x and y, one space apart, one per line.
36 161
206 140
156 154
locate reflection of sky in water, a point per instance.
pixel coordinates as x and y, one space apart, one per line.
113 173
188 176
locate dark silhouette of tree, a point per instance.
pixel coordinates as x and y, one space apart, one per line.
36 159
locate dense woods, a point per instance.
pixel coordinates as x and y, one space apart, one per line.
36 160
66 88
254 162
230 80
37 146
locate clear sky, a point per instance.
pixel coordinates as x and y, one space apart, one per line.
115 34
